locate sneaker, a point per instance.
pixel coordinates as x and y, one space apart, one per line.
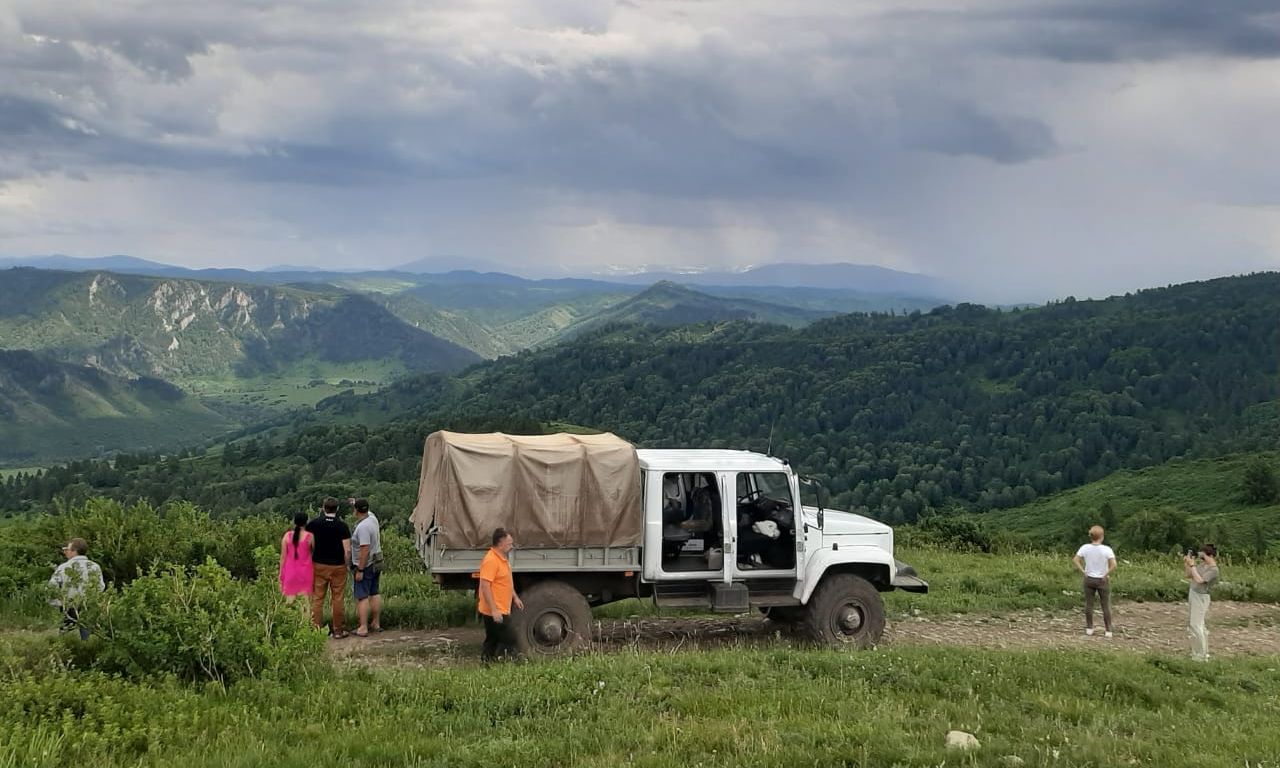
1107 633
1089 631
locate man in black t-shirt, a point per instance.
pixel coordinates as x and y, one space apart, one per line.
331 556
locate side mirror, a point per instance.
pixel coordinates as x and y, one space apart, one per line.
817 492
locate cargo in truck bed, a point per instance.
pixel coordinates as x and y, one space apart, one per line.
550 491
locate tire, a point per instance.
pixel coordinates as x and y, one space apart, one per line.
555 621
845 610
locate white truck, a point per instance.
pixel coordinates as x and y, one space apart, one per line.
596 520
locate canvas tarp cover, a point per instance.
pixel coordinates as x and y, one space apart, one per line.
548 490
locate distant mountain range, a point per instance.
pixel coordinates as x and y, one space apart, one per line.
668 304
495 313
864 278
185 330
861 278
247 343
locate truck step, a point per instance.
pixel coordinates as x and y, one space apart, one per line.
691 594
730 598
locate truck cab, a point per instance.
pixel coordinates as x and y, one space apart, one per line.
721 530
759 546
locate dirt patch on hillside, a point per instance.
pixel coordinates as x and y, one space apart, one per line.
1234 629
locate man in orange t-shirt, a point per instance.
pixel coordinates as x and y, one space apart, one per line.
495 595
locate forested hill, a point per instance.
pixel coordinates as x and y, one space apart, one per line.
185 331
960 406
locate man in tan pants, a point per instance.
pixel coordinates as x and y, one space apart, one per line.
332 556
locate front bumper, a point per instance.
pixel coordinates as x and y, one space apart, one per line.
905 578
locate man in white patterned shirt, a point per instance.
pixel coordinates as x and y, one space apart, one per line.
71 580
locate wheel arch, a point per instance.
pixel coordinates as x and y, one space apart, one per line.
874 565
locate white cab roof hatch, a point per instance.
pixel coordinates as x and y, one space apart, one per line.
698 460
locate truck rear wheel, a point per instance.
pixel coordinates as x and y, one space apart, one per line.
556 620
845 610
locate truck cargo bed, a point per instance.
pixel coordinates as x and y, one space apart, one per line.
569 559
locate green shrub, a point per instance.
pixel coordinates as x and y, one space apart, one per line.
400 553
414 601
1156 530
29 652
200 624
960 534
129 540
1260 484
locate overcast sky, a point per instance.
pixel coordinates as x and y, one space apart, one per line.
1022 149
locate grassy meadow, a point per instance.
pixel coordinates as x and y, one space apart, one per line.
781 705
301 383
723 708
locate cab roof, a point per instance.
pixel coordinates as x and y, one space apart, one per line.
707 460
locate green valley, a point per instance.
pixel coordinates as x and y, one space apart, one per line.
51 411
241 351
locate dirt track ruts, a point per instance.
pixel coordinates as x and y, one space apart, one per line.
1234 629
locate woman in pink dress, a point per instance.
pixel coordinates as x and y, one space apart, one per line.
296 570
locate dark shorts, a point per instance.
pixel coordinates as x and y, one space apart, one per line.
367 586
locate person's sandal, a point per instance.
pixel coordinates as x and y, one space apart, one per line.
357 634
340 635
377 629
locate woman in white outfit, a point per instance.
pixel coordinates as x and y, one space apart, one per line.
1203 577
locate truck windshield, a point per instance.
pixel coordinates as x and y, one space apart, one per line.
811 493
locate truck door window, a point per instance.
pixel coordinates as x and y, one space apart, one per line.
766 521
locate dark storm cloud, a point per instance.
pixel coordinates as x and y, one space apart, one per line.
680 123
961 129
1154 29
1096 31
26 118
724 132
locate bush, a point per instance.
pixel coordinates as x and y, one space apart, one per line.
200 624
129 540
1156 530
1260 486
400 553
955 533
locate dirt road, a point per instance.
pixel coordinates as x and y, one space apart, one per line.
1235 629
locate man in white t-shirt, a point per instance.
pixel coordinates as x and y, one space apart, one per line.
1096 561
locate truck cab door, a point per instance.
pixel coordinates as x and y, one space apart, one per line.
678 547
765 524
729 522
802 533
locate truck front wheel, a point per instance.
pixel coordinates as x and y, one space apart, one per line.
845 610
556 620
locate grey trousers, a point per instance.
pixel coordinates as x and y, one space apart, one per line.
1101 588
1197 612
